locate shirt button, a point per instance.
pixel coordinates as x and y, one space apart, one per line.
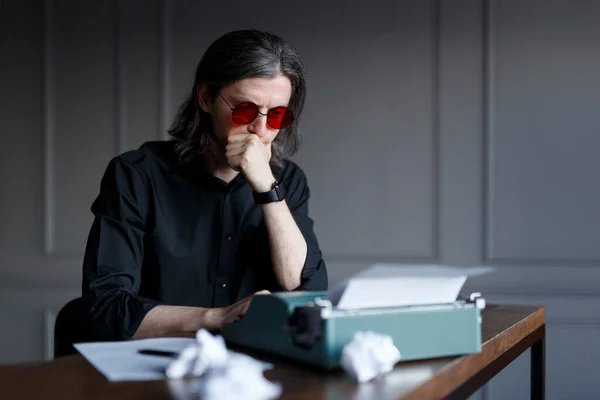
229 237
224 285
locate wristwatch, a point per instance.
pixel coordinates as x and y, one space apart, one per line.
277 193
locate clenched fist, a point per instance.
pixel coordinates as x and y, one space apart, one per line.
247 154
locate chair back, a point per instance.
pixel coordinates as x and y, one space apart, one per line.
68 328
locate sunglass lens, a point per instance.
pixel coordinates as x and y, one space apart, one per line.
280 117
244 113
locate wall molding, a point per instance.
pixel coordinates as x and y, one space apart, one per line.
48 322
514 280
489 134
562 311
591 323
39 273
487 100
433 256
436 181
121 61
164 69
542 262
49 125
19 284
48 132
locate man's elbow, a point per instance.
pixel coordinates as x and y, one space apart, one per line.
291 283
313 279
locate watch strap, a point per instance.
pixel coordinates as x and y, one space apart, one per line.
277 193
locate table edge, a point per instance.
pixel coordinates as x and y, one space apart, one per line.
421 391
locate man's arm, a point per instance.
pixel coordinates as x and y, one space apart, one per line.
287 244
164 321
114 309
295 254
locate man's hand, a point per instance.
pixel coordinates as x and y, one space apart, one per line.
236 311
184 321
248 155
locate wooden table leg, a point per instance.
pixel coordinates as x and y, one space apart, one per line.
538 368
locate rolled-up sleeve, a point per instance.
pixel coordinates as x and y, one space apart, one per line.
114 255
314 272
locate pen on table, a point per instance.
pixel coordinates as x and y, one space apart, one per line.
160 353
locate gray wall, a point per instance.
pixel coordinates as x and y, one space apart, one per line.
460 132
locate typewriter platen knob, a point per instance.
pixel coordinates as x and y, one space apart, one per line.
305 326
478 300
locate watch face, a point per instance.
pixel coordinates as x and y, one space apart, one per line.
281 190
278 192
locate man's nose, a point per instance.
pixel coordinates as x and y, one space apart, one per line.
259 126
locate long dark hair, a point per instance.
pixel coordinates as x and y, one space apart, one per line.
234 56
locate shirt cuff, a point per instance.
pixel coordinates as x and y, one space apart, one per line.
118 314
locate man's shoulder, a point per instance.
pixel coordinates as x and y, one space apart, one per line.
148 152
289 171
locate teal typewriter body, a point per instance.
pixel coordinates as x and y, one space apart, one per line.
304 326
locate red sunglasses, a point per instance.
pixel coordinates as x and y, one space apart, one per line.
246 112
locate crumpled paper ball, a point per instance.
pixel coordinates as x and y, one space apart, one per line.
241 377
223 374
208 351
368 355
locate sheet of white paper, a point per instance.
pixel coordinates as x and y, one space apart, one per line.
120 361
432 270
392 285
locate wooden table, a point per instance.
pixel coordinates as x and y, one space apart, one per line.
507 332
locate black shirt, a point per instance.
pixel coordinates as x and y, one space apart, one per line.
173 234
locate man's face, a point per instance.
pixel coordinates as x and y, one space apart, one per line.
264 92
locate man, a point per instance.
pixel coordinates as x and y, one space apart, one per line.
187 231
